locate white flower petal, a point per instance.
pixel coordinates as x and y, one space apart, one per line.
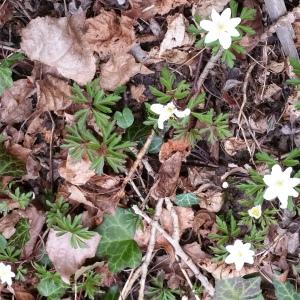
211 37
292 192
182 113
287 173
234 22
249 259
207 25
230 248
215 16
238 244
276 171
239 264
283 198
269 180
226 14
157 108
161 120
233 32
225 40
230 259
270 193
294 182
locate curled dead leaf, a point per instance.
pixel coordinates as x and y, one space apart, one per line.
59 43
8 222
167 178
233 145
15 104
137 92
66 259
204 223
176 35
212 200
119 69
109 34
172 146
76 172
53 94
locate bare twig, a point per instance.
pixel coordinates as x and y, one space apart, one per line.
178 251
129 283
150 248
176 236
209 66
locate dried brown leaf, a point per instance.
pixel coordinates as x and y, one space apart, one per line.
15 104
36 221
172 146
233 145
66 259
108 34
212 200
204 8
59 43
53 94
76 172
176 35
137 93
119 69
8 223
204 223
167 178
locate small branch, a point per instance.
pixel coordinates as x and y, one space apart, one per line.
150 248
129 283
178 251
209 66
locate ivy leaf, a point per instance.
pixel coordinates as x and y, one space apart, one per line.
117 243
155 144
285 291
186 199
51 288
239 288
125 118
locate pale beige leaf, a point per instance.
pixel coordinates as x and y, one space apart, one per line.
176 35
59 43
211 200
66 259
53 94
109 34
204 8
137 92
8 223
76 172
119 69
15 104
233 145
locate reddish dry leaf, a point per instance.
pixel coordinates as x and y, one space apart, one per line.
6 12
59 43
109 34
172 146
36 220
66 259
119 69
77 173
53 94
167 178
15 104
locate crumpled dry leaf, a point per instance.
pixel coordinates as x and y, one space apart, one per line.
119 69
58 42
172 146
6 12
271 91
185 218
291 113
204 8
66 259
53 94
233 145
204 223
36 221
76 172
167 178
200 175
147 9
109 34
8 222
15 104
176 35
212 200
77 195
194 251
137 93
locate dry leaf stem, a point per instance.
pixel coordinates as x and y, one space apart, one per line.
178 251
150 248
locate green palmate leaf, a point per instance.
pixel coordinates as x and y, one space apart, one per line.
125 118
186 199
228 58
285 291
117 244
112 294
292 158
295 63
248 13
238 289
265 158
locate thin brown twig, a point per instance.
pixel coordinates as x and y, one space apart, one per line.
134 275
51 151
178 251
150 248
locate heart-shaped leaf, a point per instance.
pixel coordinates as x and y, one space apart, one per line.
125 118
285 291
186 199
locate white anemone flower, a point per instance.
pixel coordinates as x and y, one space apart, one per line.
255 212
280 185
165 112
239 254
221 27
6 274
